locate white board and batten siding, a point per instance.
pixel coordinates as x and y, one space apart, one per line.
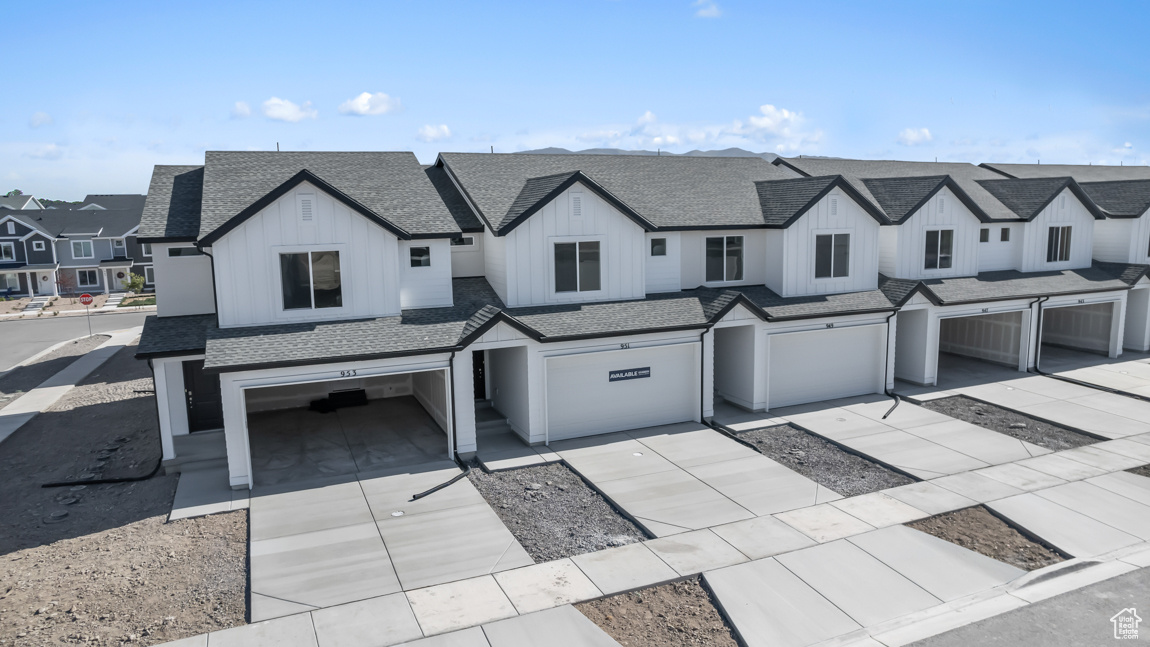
1064 210
529 251
426 286
902 250
1123 240
693 252
495 262
664 272
793 273
468 260
996 254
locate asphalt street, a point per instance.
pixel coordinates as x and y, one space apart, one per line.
24 338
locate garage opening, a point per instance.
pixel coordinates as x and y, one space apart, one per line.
356 425
989 338
735 366
825 364
1075 335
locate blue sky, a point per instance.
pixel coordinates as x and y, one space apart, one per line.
101 91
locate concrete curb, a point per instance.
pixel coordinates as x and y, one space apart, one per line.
77 313
42 353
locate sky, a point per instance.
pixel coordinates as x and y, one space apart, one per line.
99 92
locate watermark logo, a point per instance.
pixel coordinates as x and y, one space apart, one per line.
1126 624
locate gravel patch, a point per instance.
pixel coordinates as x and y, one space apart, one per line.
553 513
25 378
1011 423
98 561
1143 470
822 461
669 615
976 529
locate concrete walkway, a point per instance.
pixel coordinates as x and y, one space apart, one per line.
39 399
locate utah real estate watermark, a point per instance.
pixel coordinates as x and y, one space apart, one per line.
1126 624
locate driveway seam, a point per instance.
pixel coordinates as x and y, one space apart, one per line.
390 561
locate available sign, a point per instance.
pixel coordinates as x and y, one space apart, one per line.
628 374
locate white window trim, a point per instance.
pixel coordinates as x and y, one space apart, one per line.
148 269
8 245
725 280
91 247
552 295
953 240
1070 249
42 247
11 228
468 241
310 314
80 271
850 254
667 245
12 276
146 250
418 268
118 243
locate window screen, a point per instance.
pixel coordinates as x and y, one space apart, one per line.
566 267
1005 235
296 280
588 266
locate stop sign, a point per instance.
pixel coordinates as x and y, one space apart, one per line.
86 299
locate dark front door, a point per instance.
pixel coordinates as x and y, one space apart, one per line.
479 374
202 392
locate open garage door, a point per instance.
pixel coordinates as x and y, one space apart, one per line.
993 338
597 393
825 364
1079 327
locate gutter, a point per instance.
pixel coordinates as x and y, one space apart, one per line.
215 293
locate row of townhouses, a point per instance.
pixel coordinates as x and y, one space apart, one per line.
581 295
91 247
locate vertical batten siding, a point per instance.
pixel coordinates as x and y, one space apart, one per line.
774 259
495 262
663 272
799 271
888 238
246 262
996 255
1056 215
468 260
425 287
1122 240
694 252
910 257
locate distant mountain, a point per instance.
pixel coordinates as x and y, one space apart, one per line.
726 152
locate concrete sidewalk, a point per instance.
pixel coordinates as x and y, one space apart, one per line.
39 399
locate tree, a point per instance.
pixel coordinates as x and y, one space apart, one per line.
13 193
134 283
66 282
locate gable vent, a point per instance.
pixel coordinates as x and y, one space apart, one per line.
1063 202
576 206
941 204
306 208
834 206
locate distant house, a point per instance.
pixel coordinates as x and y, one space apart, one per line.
15 202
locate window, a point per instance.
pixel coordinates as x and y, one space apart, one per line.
11 228
118 243
146 249
984 235
725 258
7 251
658 247
149 275
939 247
12 281
832 255
465 241
577 267
1004 236
87 278
421 257
311 280
37 245
1058 244
174 252
81 249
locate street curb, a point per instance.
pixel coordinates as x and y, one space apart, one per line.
42 353
78 313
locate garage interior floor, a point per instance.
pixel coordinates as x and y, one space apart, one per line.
298 445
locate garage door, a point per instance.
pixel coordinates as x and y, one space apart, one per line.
596 393
1085 327
825 364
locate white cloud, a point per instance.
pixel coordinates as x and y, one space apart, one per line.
46 152
40 119
370 104
284 110
1125 149
915 136
241 109
707 9
430 133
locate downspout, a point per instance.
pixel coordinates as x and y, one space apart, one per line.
215 294
886 369
702 375
454 437
1036 346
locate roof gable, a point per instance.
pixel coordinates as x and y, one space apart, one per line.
1028 197
537 192
902 197
1120 199
785 201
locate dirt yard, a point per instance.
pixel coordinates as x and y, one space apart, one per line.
97 563
1011 423
22 379
13 305
978 530
72 302
822 461
670 615
553 513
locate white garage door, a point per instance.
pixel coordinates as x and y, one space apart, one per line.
597 393
825 364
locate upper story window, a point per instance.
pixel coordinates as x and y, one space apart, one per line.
311 280
82 249
421 257
658 247
1004 236
465 241
11 228
146 249
37 245
725 258
1058 244
118 244
984 235
149 275
578 267
7 251
939 249
175 252
832 255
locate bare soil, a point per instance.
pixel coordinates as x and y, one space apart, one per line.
553 513
669 615
72 302
1011 423
14 305
22 379
1142 470
98 561
976 529
822 461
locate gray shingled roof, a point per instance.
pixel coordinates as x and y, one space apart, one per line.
657 311
815 305
18 202
669 192
174 335
62 222
900 197
1128 273
1011 284
1122 198
781 200
897 291
1080 172
122 201
393 186
1026 197
464 217
965 176
172 208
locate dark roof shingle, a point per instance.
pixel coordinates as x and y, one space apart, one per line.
1122 198
172 209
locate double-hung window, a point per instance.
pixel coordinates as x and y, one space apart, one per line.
87 278
7 252
311 280
725 258
832 255
578 267
939 249
1058 244
149 275
82 249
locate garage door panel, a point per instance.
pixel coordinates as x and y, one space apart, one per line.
825 364
581 399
